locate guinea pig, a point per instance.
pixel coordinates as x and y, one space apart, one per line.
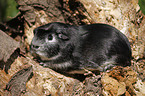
94 47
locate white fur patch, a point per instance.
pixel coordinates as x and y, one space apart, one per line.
40 53
42 56
107 64
53 41
104 66
62 65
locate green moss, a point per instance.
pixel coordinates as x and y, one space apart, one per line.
8 10
142 5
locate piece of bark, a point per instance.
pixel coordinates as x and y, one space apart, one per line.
93 85
7 46
49 6
46 81
121 81
67 11
17 84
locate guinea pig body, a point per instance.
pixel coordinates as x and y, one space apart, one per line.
94 47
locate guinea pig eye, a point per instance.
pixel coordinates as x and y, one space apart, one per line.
50 37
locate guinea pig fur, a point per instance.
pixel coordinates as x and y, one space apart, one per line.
66 47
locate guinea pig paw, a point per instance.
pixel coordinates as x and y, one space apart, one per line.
43 64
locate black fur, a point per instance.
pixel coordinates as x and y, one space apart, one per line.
94 47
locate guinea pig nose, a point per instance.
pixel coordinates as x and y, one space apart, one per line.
35 46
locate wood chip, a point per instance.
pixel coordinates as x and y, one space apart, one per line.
7 46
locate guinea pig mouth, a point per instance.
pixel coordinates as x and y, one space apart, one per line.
43 55
40 55
43 58
37 53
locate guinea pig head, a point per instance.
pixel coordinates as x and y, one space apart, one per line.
48 41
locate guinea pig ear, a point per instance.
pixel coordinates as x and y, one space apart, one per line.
48 26
63 36
43 28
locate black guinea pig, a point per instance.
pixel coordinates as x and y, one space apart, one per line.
94 47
